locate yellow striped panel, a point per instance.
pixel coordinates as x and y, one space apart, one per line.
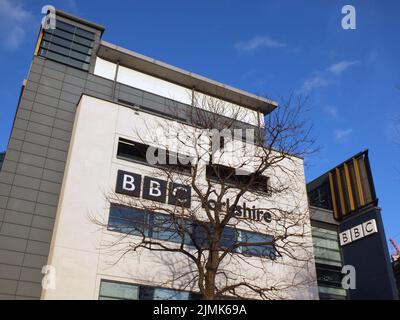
39 42
349 191
358 182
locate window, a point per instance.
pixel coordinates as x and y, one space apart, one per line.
127 220
68 44
320 197
326 246
164 228
161 227
150 293
111 290
135 151
220 173
259 250
130 150
118 291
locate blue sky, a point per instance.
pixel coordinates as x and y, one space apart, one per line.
269 48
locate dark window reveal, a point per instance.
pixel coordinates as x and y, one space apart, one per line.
135 151
220 173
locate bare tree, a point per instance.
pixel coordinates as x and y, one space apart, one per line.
246 232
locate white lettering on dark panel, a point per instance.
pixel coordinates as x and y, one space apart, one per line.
358 232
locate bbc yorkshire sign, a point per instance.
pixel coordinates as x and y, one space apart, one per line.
135 185
159 190
358 232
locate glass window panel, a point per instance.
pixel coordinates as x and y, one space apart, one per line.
146 293
79 56
328 262
117 290
169 294
256 250
325 243
327 254
200 235
324 233
57 57
164 228
83 33
65 26
329 290
63 34
83 41
59 49
228 238
127 220
47 36
82 49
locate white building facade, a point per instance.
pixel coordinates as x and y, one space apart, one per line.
126 103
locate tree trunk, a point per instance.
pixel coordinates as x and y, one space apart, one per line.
211 270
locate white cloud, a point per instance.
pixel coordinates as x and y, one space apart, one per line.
14 21
332 111
318 80
341 66
341 134
326 77
258 42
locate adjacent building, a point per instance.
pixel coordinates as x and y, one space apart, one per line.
87 111
348 230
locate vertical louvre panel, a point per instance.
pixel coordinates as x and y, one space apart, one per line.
333 194
351 186
349 189
358 181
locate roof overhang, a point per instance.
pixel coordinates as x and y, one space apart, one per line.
139 62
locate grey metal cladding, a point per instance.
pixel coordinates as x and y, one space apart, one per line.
15 230
45 210
36 138
31 159
9 272
37 247
12 243
11 257
29 170
38 128
59 144
31 274
19 218
43 109
8 286
29 289
20 205
40 235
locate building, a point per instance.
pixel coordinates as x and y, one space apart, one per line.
73 140
348 230
2 155
396 270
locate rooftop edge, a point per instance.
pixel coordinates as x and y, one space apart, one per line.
159 69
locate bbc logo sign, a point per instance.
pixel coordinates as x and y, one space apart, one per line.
154 189
358 232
